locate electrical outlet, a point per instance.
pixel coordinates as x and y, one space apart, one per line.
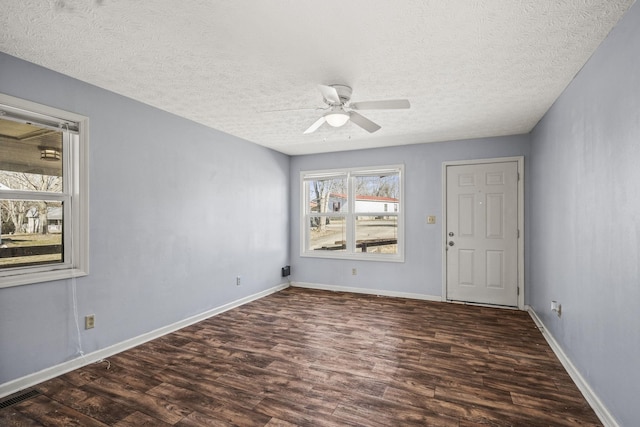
238 281
431 219
354 271
557 307
90 321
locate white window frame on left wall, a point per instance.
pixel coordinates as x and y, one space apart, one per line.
76 171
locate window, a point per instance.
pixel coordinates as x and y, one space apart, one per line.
43 193
353 213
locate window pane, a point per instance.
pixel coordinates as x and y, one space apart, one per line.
31 232
377 234
379 193
327 195
327 233
31 157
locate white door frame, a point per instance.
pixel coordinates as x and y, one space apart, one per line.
520 161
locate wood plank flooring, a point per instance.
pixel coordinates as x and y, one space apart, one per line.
314 358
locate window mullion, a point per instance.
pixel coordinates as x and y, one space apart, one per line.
71 209
306 218
351 223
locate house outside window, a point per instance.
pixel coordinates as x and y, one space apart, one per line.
363 226
43 193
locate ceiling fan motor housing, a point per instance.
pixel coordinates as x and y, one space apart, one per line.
344 93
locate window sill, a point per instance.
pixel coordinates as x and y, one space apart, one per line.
41 276
353 256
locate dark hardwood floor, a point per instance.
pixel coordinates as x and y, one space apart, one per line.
313 358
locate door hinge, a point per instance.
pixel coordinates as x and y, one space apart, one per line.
518 291
518 176
518 233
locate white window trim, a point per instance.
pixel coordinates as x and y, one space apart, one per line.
350 215
77 179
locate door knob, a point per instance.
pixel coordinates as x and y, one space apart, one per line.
451 243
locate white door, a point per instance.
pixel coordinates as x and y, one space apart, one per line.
482 233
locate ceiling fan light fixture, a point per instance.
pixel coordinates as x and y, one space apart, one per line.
337 117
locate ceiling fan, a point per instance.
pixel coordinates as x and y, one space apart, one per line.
341 109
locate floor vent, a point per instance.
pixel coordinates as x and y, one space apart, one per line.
17 398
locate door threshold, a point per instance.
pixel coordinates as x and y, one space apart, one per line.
480 304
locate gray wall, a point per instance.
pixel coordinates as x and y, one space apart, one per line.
421 273
177 211
584 219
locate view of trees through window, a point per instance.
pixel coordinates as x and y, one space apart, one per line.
328 206
31 201
374 198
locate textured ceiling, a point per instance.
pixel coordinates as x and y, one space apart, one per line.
469 68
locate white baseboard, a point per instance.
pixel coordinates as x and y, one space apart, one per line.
57 370
366 291
596 404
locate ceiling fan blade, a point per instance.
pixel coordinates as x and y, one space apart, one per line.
316 125
391 104
363 122
330 94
